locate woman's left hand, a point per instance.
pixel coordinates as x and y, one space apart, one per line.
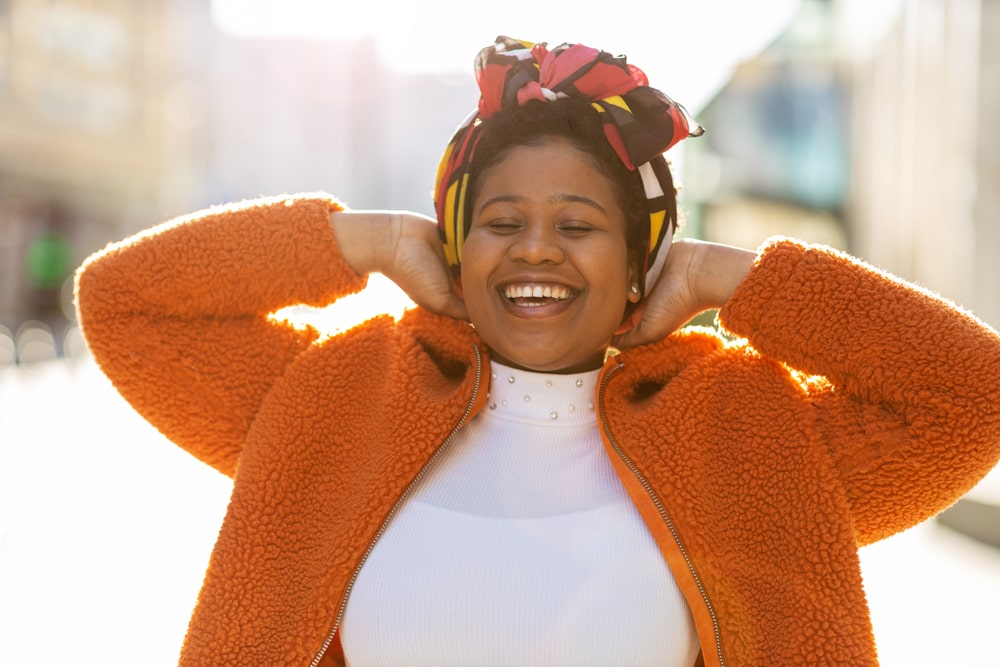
696 276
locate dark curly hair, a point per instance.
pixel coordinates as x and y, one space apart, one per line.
574 119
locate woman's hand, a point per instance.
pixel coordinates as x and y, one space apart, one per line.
696 276
406 248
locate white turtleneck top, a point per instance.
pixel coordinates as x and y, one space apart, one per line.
520 546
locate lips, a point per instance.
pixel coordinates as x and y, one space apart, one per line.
536 299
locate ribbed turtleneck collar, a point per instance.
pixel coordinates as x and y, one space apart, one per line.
542 397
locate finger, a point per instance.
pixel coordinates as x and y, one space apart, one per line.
631 338
648 330
632 320
454 307
448 305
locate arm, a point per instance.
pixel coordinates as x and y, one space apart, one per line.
902 384
177 316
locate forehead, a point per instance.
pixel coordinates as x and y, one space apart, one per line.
553 166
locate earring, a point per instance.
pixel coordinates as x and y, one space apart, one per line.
634 289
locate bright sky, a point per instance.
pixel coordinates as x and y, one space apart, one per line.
687 48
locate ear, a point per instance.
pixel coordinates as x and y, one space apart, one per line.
456 287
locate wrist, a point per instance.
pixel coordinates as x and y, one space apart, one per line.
721 270
364 237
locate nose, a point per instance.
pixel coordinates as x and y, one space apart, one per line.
537 244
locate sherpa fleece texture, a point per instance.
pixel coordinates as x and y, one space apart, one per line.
855 407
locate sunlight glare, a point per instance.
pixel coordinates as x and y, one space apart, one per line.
683 43
381 296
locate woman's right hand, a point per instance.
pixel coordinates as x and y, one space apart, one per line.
404 247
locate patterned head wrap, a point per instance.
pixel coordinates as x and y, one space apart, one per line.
640 124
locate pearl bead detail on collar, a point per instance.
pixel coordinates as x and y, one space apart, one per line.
542 397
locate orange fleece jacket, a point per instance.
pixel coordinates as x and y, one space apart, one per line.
855 407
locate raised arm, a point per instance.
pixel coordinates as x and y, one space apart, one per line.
178 316
902 384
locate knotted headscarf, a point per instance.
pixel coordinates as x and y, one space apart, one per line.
640 123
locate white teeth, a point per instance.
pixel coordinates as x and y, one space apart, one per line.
556 292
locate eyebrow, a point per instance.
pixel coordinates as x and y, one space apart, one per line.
565 198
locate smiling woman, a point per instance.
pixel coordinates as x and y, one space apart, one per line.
540 465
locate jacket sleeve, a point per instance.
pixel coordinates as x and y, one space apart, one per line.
901 384
178 316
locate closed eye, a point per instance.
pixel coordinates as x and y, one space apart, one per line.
503 225
576 227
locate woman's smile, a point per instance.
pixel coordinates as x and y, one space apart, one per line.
536 299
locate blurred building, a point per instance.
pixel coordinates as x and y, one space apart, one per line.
116 114
84 127
296 115
775 158
870 127
926 145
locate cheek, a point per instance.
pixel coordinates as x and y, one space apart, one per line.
624 270
467 268
477 255
472 281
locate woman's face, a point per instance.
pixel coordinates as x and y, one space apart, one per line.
545 270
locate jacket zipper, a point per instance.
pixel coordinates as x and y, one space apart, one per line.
659 508
397 505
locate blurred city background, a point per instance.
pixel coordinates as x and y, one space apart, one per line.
869 125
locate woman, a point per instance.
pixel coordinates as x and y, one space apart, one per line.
430 492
